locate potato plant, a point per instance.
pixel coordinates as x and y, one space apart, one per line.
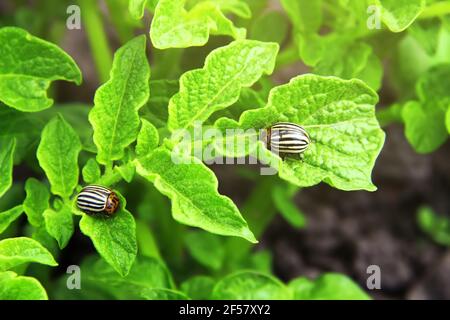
183 67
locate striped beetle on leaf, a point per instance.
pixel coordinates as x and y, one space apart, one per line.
97 199
287 138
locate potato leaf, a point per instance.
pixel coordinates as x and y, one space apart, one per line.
218 84
400 14
270 27
14 287
147 140
58 156
115 117
206 248
21 126
162 294
306 15
198 287
155 110
249 285
91 171
447 120
8 216
113 237
434 225
16 251
36 201
425 126
174 27
59 224
349 60
136 8
329 286
339 116
27 68
7 147
145 273
192 187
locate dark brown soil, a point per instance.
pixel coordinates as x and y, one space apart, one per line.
348 231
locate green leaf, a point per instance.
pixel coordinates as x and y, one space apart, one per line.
162 294
435 226
434 86
260 261
151 5
136 8
206 248
400 14
217 85
301 288
192 187
390 114
8 216
283 202
91 171
77 116
155 110
126 171
14 287
174 27
447 120
339 116
198 287
427 34
147 140
145 273
239 7
41 235
16 251
424 127
272 26
36 201
248 285
305 15
147 245
7 147
59 224
113 237
329 286
27 68
20 126
115 117
58 156
348 60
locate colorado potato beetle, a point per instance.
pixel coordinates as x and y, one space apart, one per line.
97 199
287 138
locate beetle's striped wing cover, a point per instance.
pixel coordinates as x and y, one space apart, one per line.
93 198
286 137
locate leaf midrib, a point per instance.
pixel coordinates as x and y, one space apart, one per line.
126 83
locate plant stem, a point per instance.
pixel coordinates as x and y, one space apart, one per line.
98 40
